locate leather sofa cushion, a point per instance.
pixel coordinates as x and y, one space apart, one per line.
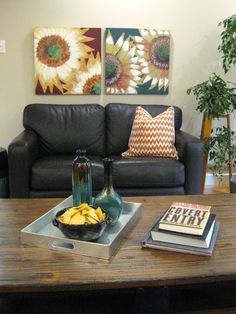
64 128
147 172
55 172
119 120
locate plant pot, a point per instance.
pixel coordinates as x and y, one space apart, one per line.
233 185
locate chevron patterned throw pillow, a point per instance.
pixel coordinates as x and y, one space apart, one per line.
152 136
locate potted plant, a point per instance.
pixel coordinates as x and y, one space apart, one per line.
217 98
228 51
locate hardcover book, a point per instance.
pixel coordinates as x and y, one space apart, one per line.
184 238
185 218
148 242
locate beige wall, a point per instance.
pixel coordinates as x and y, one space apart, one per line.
194 56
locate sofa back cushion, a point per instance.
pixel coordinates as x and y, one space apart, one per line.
64 128
119 120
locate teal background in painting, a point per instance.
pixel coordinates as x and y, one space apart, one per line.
144 88
117 32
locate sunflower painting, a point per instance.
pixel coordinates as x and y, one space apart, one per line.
137 61
67 61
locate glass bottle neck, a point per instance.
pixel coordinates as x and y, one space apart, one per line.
80 152
108 184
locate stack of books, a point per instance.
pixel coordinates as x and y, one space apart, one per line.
186 228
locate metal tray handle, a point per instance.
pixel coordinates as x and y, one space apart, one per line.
62 245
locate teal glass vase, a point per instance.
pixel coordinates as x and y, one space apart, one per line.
81 179
109 200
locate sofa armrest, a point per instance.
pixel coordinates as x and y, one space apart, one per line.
191 153
22 152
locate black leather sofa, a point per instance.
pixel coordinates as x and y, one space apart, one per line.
40 158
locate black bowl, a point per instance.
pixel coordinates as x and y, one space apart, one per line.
88 232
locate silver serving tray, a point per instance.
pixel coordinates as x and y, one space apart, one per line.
43 234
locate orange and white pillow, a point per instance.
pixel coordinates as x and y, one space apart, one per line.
152 136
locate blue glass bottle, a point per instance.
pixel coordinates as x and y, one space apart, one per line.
109 200
81 179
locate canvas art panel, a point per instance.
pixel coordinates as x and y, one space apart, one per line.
67 61
137 61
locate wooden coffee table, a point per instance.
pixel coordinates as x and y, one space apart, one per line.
154 279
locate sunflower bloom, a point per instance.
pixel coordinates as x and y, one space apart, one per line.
57 53
89 77
121 68
153 48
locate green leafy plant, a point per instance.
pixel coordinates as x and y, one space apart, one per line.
228 42
222 150
215 96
